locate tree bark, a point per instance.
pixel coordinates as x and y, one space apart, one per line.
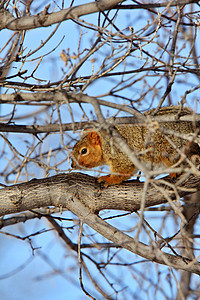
82 195
58 190
45 19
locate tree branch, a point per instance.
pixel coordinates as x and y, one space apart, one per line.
155 5
57 96
60 189
45 19
82 195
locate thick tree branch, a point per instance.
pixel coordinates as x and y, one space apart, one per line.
45 19
82 195
59 190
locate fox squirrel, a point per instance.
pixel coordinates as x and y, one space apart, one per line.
94 148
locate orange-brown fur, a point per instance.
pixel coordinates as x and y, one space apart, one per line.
151 147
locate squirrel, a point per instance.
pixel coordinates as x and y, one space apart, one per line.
94 148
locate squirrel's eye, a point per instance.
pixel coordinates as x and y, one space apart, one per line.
83 151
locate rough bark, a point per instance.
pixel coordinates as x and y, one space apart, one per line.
60 189
82 195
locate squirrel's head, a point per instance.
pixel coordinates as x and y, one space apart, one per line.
87 152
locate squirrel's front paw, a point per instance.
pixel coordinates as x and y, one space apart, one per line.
106 179
112 179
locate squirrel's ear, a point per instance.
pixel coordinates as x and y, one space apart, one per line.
94 138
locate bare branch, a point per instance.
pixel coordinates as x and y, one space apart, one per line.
45 19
